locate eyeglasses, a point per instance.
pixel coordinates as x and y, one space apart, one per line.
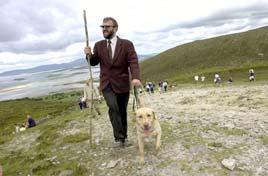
106 26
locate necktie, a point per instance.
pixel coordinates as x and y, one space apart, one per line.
110 52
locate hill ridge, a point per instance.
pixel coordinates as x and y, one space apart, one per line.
229 54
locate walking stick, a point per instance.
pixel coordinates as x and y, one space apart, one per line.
90 76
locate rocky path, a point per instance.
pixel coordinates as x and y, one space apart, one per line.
206 131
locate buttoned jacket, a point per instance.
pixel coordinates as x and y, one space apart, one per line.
116 71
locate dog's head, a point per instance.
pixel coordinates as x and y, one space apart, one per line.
145 118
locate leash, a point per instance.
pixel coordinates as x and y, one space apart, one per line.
137 103
136 100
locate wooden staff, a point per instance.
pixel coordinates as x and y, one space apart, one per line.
90 76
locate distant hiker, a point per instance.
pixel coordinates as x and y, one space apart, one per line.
161 88
116 57
84 103
30 122
217 79
165 85
251 75
203 78
151 86
79 100
88 92
17 128
196 78
230 80
147 87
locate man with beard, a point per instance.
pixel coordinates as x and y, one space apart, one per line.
116 57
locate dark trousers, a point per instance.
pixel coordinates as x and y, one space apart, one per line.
117 103
80 105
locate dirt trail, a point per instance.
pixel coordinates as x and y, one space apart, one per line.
201 127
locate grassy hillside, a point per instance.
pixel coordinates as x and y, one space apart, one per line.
230 55
34 150
15 111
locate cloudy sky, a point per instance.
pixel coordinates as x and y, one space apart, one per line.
35 32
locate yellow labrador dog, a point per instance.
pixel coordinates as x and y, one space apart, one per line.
147 124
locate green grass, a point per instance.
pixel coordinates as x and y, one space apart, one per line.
47 144
79 137
191 137
15 111
165 163
264 139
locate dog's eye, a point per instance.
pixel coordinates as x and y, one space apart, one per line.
148 115
140 116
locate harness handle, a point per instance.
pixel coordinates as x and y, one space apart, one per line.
137 101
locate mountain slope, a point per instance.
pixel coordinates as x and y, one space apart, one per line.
229 55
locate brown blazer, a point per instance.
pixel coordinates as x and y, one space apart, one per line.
116 72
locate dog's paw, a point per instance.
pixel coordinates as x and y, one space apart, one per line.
157 147
141 161
156 152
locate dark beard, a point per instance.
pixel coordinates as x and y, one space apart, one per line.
109 36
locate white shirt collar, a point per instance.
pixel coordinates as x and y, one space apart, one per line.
113 40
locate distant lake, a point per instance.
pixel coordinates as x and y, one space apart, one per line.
44 83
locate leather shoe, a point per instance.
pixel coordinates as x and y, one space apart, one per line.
127 143
117 144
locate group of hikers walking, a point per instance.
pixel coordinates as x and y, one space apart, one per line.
150 87
217 78
90 95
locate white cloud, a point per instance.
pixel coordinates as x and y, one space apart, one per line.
48 31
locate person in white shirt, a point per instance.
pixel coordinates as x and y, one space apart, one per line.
88 92
196 77
203 78
217 79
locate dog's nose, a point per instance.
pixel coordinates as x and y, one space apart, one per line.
146 125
